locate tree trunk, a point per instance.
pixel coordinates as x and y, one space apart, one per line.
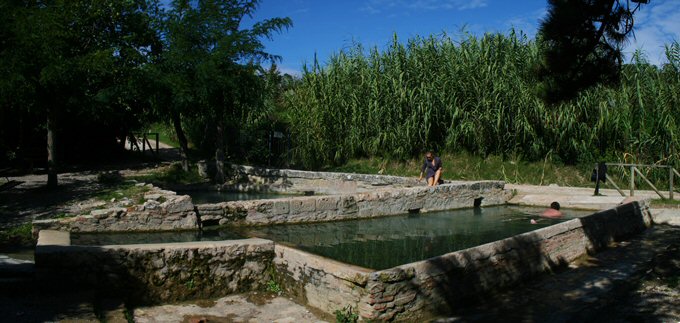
183 144
219 152
51 149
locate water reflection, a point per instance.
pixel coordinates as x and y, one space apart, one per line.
391 241
373 243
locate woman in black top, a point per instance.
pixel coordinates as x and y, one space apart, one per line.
433 165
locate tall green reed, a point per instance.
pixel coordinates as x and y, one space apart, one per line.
477 94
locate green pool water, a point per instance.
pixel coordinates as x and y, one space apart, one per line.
378 243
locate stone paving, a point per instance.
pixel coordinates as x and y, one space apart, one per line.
573 197
238 308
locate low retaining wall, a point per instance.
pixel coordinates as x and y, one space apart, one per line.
156 273
438 285
247 178
355 206
426 289
161 211
165 210
411 292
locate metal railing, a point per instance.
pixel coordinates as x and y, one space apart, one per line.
634 170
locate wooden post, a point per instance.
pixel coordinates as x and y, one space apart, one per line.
615 186
649 183
632 181
670 182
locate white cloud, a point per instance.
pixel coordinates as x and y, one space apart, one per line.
656 25
379 6
528 22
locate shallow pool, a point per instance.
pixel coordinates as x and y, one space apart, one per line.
391 241
377 243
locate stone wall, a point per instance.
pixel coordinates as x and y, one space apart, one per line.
424 289
319 282
247 178
161 210
411 292
354 206
155 273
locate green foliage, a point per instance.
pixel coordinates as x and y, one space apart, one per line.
207 76
346 315
581 45
666 203
190 283
174 174
166 134
476 94
466 166
120 190
273 287
18 235
71 67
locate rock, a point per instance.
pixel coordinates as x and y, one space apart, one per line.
152 196
178 204
101 214
151 205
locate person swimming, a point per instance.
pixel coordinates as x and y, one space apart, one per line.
553 211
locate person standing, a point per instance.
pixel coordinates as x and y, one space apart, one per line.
432 167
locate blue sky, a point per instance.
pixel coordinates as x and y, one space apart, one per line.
325 27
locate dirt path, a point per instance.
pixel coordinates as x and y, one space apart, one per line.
32 201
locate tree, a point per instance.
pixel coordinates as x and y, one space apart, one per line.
581 41
72 57
209 62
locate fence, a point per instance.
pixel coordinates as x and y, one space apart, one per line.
135 139
634 170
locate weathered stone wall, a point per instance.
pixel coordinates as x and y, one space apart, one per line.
322 283
155 273
354 206
411 292
161 211
247 178
421 290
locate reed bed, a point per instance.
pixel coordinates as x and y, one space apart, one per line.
477 94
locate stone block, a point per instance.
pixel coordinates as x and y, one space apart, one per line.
101 214
348 204
327 203
178 204
302 205
280 207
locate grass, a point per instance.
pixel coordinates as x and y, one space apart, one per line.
121 190
166 134
666 203
171 175
17 236
465 166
